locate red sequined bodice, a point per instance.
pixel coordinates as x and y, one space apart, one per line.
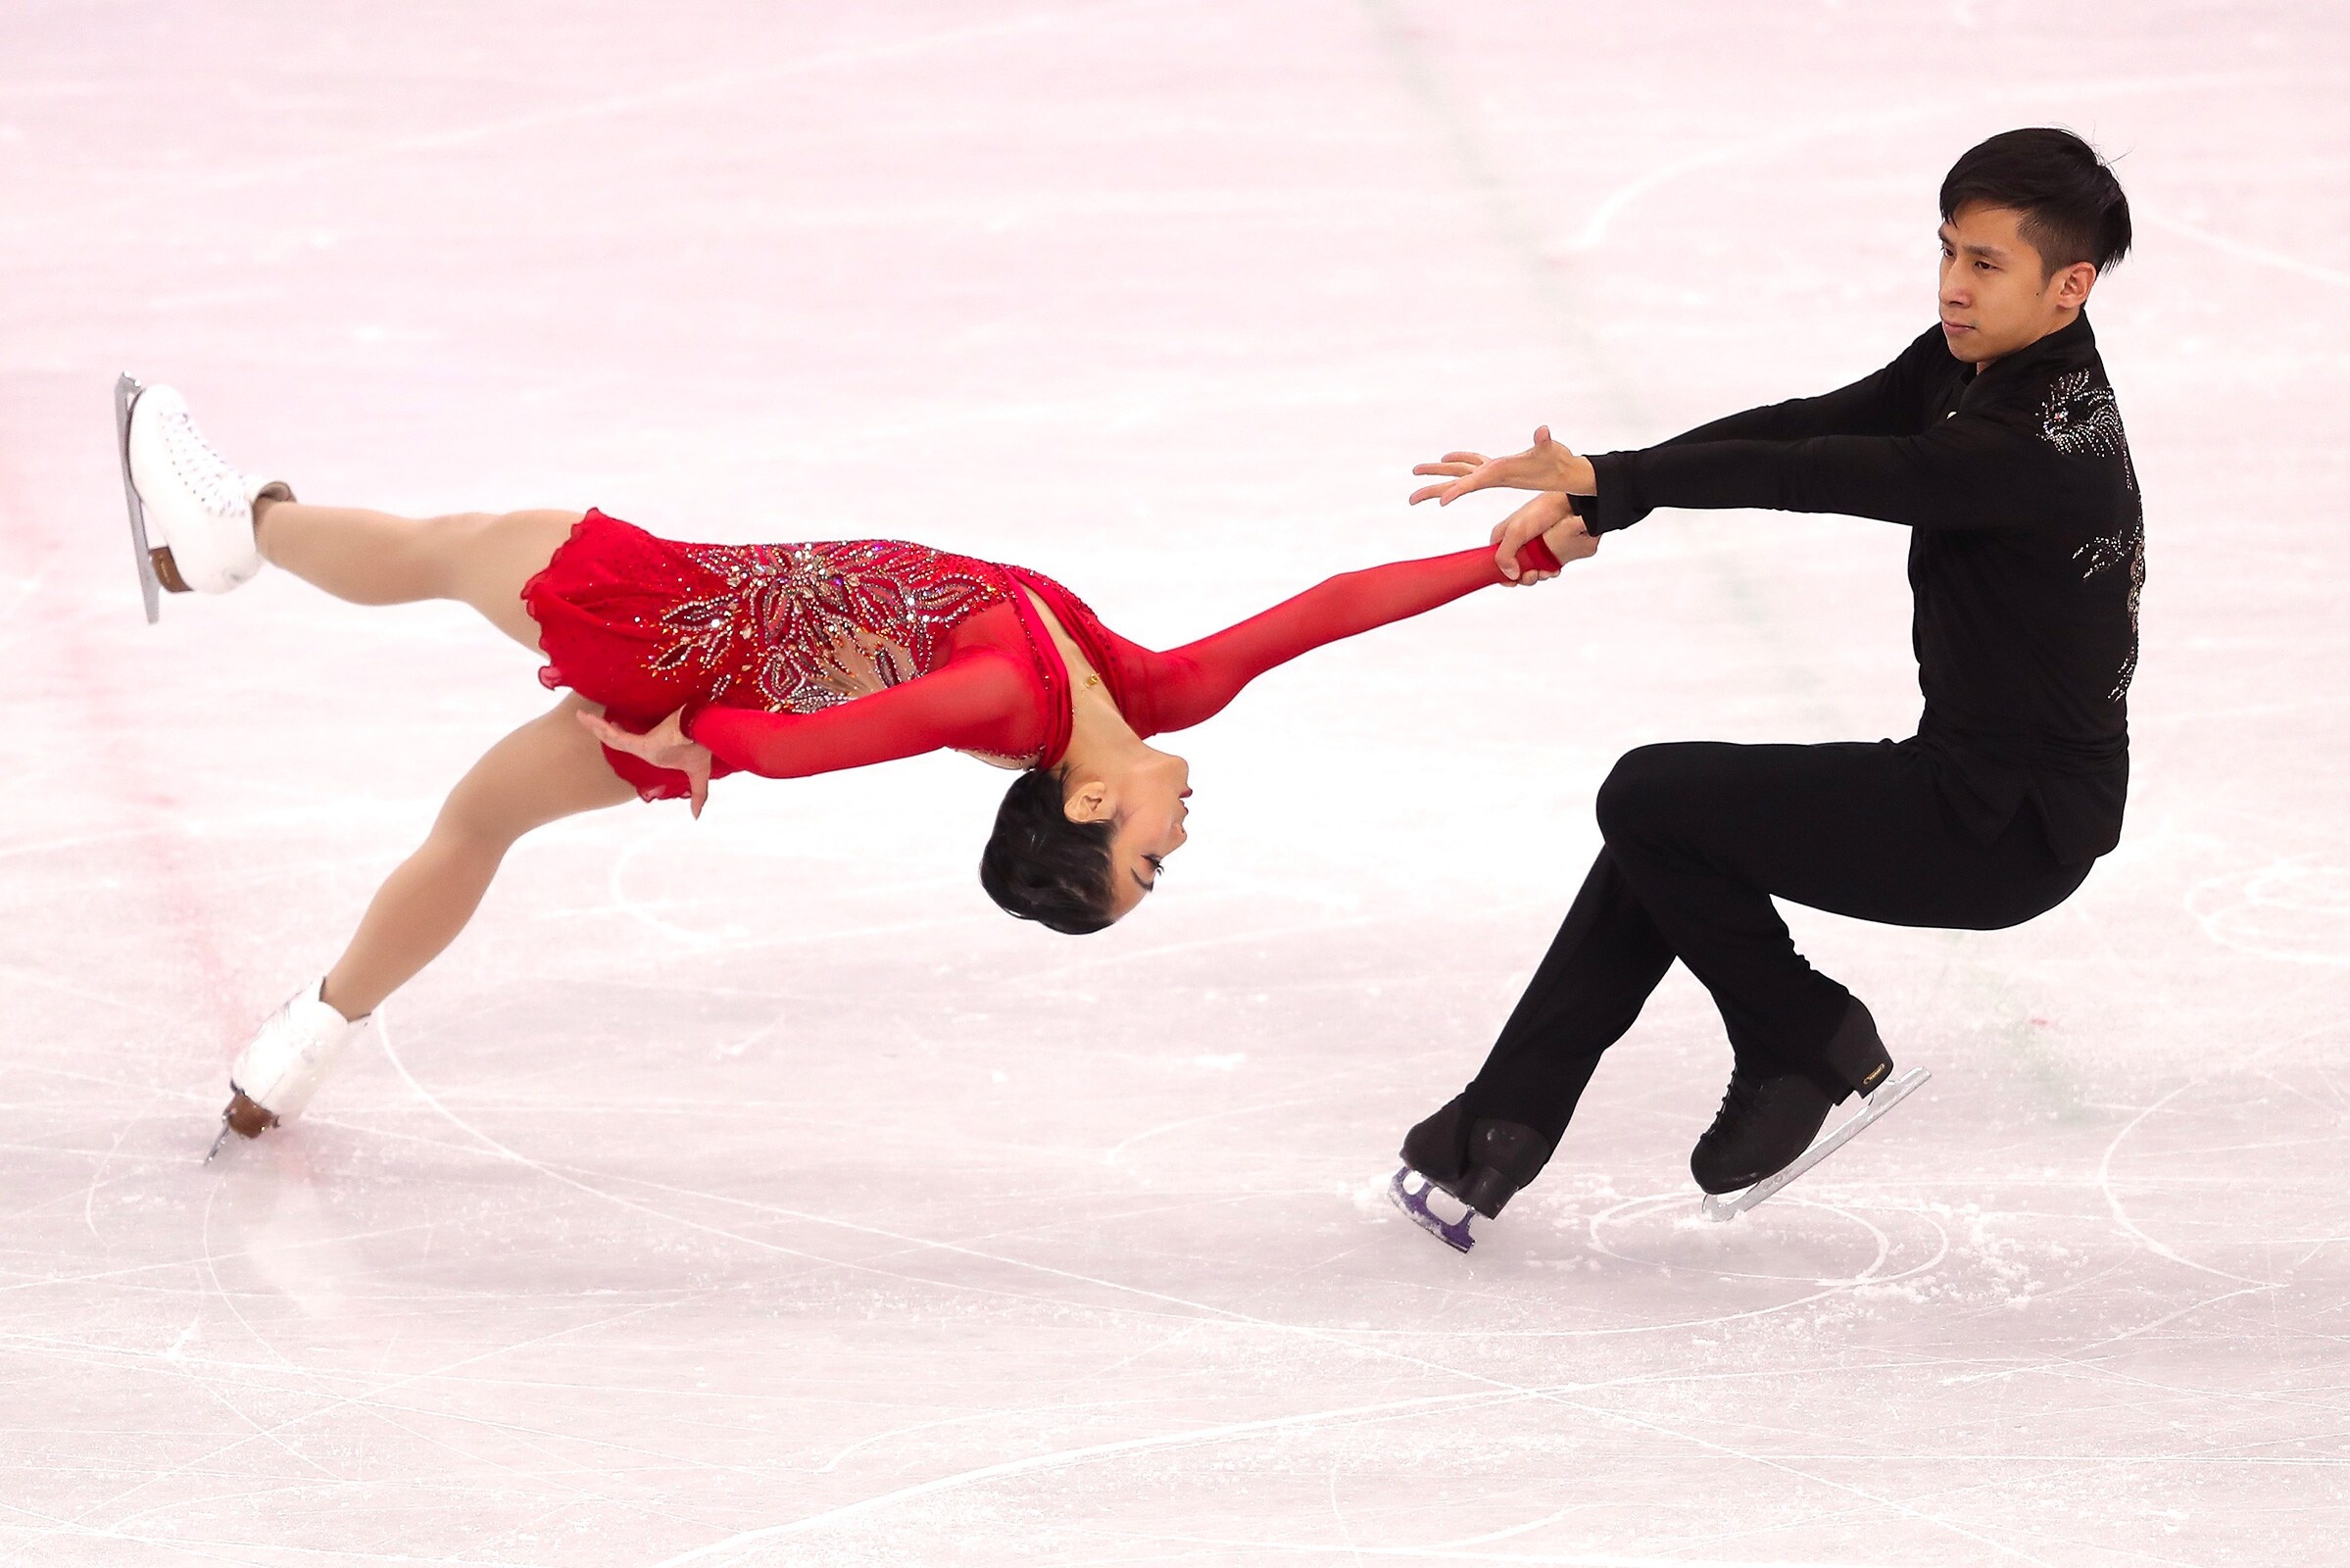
802 627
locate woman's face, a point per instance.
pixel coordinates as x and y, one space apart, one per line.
1148 802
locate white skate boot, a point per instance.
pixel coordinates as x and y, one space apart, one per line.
290 1055
191 514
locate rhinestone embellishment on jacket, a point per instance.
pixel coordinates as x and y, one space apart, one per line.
2080 418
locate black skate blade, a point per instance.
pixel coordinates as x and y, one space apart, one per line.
1891 1093
1415 1202
127 393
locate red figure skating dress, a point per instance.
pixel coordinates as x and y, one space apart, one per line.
800 659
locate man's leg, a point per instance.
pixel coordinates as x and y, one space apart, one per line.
1495 1135
481 558
1699 837
1707 833
1606 959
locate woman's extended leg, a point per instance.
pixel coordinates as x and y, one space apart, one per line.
549 768
481 558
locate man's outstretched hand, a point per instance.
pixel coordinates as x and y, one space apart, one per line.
1550 518
1544 465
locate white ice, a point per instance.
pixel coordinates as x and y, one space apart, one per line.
751 1191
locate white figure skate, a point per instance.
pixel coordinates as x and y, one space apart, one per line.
191 514
1887 1094
290 1055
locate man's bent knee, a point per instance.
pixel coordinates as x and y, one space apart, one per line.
1645 786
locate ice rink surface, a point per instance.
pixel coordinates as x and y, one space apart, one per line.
751 1191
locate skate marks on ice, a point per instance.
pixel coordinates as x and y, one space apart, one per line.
1555 1261
1970 107
2190 1146
670 95
1661 1231
1673 1207
1647 1232
1617 1269
1489 1389
2293 911
2242 249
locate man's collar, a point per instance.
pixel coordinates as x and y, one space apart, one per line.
2072 341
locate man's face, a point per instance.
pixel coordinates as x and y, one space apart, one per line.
1996 298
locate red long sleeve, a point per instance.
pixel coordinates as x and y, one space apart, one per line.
985 699
978 701
1192 683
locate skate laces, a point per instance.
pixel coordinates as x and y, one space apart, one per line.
199 465
1740 1096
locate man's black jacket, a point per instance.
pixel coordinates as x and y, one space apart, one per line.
2025 560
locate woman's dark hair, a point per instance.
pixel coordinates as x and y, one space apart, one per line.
1040 866
2073 207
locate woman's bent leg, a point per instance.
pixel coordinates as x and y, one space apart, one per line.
481 558
549 768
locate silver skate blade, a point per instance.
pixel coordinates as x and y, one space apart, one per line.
127 393
1891 1093
225 1130
1454 1232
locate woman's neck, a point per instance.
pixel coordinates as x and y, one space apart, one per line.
1100 741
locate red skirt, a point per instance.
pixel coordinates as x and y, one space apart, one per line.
598 603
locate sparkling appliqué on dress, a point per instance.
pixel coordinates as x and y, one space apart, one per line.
2079 416
809 626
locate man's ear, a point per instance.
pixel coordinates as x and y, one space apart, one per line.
1086 803
2073 284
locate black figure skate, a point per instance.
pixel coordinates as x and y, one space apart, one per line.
1479 1164
1761 1138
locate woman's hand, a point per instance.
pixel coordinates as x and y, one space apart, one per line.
1552 519
664 745
1544 465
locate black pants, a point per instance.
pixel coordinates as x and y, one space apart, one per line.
1700 837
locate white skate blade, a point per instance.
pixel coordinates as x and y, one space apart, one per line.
127 392
1891 1093
1413 1202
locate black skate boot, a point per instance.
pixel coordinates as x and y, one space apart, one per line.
1855 1054
1766 1120
1482 1163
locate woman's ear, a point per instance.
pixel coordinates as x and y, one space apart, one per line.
1088 801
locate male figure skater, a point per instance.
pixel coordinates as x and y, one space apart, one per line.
1994 437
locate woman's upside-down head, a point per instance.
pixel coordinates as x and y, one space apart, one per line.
1075 848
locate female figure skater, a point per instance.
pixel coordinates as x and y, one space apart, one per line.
687 661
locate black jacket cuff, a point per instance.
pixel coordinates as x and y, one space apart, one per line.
1619 503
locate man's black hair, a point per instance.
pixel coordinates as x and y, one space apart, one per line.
1040 866
2073 207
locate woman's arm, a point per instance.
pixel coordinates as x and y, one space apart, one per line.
975 701
1193 682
